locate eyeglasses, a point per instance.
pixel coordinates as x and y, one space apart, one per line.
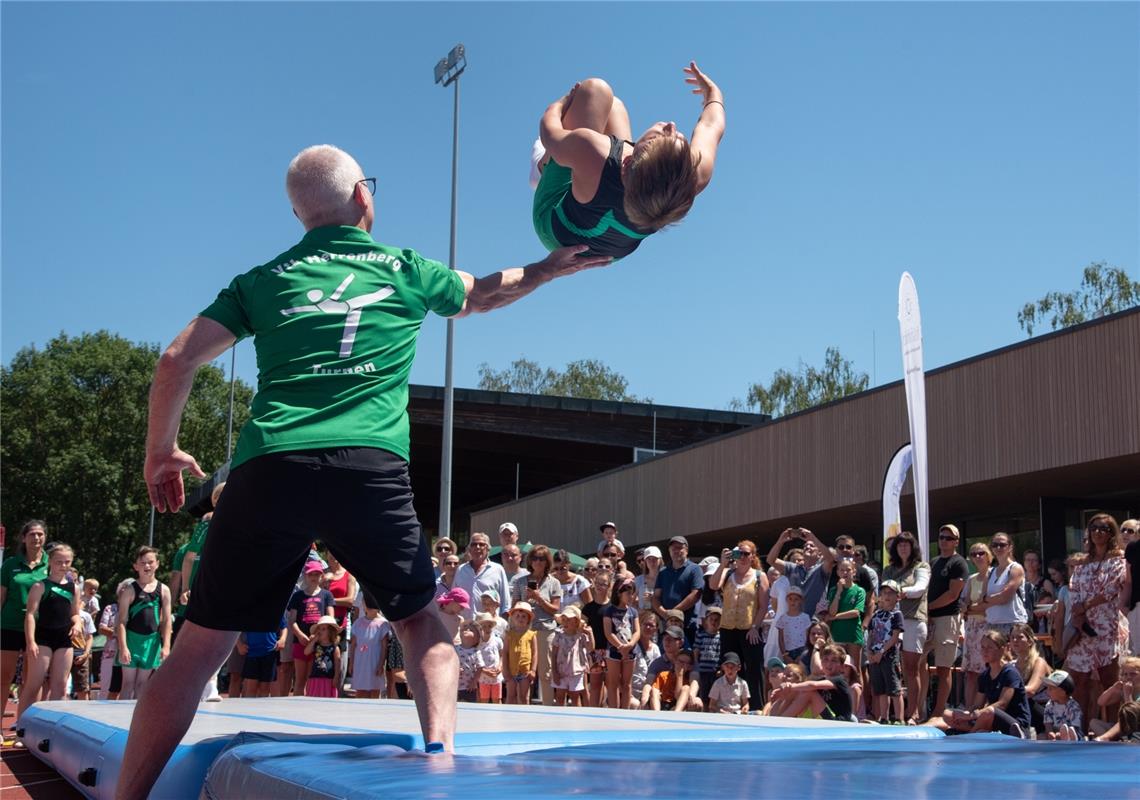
480 545
606 567
1099 528
979 554
942 538
1128 530
443 549
844 547
370 183
999 545
589 569
451 563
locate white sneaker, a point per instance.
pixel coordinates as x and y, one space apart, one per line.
1015 730
537 153
210 692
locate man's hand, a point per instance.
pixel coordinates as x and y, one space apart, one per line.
568 260
164 478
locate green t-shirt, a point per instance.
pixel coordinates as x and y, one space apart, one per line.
335 321
18 578
195 545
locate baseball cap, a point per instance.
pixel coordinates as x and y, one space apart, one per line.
509 526
731 658
456 595
679 540
675 632
796 590
490 593
892 585
675 613
653 550
1062 679
775 662
952 528
484 618
572 611
605 525
714 610
314 566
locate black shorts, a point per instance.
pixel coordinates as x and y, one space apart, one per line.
262 669
54 639
12 639
357 500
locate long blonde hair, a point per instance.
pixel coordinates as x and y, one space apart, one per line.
1026 662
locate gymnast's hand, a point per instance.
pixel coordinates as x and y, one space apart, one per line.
705 86
164 478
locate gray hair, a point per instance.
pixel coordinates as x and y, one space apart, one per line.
320 183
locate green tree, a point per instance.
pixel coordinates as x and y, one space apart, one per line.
1103 290
73 439
587 378
789 392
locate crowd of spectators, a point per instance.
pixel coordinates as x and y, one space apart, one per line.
978 643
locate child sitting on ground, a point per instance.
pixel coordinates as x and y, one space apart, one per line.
830 697
1062 712
676 689
729 693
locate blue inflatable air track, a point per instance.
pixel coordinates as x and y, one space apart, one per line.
313 748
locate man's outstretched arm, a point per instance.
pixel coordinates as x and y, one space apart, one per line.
199 343
503 288
709 129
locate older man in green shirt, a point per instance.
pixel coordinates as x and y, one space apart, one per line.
335 321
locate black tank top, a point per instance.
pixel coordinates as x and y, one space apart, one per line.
56 605
142 616
600 223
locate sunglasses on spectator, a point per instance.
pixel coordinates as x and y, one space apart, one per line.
1128 530
442 548
947 538
999 545
843 547
1100 528
606 567
979 554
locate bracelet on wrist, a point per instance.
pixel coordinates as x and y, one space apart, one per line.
710 102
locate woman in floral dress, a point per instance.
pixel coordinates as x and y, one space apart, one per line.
1096 588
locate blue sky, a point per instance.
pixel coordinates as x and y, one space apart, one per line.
989 149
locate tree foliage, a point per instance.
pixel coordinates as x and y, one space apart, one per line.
789 392
1103 290
587 378
73 439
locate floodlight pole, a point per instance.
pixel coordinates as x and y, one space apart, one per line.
447 72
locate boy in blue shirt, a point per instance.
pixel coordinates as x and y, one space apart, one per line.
260 648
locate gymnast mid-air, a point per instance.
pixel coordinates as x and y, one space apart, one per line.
595 186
